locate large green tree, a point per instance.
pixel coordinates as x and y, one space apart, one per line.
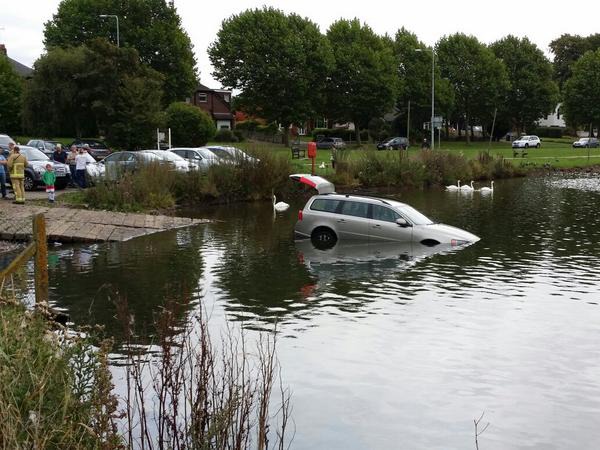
10 97
363 83
152 27
190 126
581 103
567 49
477 76
94 89
532 93
414 72
279 63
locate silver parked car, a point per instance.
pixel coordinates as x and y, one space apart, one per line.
175 161
200 156
527 142
329 217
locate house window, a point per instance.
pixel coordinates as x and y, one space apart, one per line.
202 97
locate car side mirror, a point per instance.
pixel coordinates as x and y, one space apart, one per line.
402 222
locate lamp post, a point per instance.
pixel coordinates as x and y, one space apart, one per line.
432 93
104 16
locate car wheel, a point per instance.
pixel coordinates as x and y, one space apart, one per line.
526 145
323 238
537 146
28 182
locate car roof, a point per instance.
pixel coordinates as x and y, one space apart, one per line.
362 198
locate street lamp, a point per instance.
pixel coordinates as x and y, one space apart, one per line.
432 92
104 16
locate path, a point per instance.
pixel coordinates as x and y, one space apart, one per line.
81 225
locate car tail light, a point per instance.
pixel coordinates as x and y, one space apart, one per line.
300 215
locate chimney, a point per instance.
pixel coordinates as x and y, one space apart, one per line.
3 50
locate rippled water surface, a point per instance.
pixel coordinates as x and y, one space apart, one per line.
394 346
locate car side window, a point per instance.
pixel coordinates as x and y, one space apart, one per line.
195 155
384 214
357 209
325 205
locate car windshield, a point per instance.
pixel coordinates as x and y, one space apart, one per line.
584 139
5 140
414 216
92 144
221 153
33 154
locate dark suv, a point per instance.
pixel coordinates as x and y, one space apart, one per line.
395 143
95 147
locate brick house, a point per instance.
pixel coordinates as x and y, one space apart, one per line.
216 102
21 69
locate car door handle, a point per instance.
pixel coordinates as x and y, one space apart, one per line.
377 226
341 221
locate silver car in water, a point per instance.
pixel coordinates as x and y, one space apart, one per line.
329 217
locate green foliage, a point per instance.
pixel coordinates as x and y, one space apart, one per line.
567 50
363 83
343 133
94 89
379 129
581 104
190 126
532 93
247 125
478 78
225 135
53 395
549 132
151 27
279 63
11 87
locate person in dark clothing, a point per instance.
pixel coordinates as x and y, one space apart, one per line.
58 155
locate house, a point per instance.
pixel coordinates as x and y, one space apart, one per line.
217 103
555 119
21 69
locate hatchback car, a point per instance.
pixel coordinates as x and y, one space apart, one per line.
37 166
95 147
586 143
396 143
200 156
173 160
329 217
331 142
5 139
120 162
230 154
527 142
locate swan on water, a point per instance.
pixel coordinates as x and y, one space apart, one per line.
279 206
488 189
453 187
466 187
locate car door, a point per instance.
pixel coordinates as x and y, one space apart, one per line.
383 226
352 220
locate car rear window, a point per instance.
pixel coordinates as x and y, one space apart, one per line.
325 205
357 209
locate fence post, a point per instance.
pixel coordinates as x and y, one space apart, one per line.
41 259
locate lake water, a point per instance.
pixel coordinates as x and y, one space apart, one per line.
391 346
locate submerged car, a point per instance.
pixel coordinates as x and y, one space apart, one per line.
527 142
586 143
396 143
328 217
37 166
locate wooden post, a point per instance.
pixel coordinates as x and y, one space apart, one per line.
41 259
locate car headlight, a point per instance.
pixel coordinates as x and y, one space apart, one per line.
39 170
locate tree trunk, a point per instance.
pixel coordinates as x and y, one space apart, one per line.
286 134
357 130
467 126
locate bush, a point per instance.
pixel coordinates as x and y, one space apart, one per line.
379 129
343 133
247 125
239 134
225 135
190 126
548 132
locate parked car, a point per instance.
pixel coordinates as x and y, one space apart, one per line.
328 217
37 166
175 161
47 147
94 170
395 143
119 162
331 142
95 147
230 154
5 139
527 142
201 156
586 143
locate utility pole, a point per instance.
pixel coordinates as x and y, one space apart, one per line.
117 18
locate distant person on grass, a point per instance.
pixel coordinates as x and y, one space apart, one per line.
80 163
49 178
16 165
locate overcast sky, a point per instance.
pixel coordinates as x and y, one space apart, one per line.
23 20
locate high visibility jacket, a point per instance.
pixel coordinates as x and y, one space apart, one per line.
16 165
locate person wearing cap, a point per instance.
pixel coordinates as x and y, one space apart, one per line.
16 166
58 155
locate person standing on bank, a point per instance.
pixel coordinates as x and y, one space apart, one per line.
80 163
71 162
16 166
58 155
49 178
3 164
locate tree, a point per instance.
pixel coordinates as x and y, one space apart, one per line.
532 93
94 89
581 103
478 78
279 63
363 83
152 27
413 60
10 97
190 126
567 50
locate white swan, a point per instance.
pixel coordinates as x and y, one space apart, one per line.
466 187
453 187
279 206
322 165
488 189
